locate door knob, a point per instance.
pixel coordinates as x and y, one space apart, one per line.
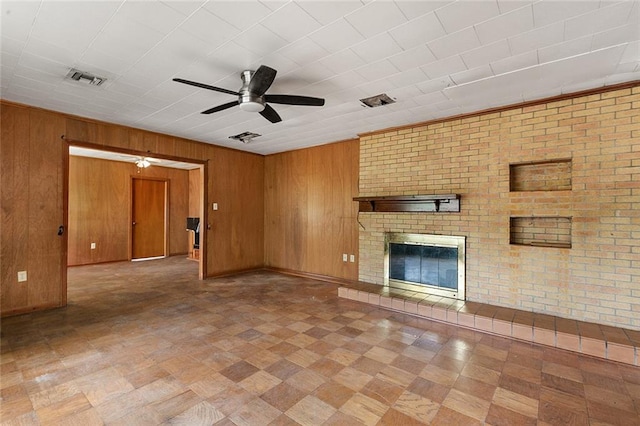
133 223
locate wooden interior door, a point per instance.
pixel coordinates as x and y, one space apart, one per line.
148 235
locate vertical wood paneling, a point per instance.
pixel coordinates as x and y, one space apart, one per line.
45 211
310 216
194 192
235 241
100 205
99 200
14 199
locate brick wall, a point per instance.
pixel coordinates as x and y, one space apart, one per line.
598 278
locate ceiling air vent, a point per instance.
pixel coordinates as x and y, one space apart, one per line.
378 100
245 137
85 77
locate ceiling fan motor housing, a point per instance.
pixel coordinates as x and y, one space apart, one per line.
248 101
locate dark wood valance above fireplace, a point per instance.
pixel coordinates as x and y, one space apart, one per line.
449 203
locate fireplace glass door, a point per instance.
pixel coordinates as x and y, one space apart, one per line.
426 263
436 266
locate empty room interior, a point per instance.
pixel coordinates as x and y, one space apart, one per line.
297 212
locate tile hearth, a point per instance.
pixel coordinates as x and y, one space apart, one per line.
616 344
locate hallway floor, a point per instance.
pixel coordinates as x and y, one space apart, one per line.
147 343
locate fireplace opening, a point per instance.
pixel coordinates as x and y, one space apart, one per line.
426 263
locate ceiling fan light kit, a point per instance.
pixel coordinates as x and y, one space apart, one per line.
252 95
142 163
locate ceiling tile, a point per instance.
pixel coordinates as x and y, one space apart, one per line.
484 55
444 67
17 18
409 77
304 51
418 31
624 34
290 22
413 9
57 23
548 12
118 33
342 61
462 14
455 43
506 6
566 49
474 74
231 58
631 53
240 14
336 36
413 58
377 48
51 51
598 20
537 38
326 12
505 25
377 70
99 62
184 7
209 28
376 17
156 15
435 85
513 63
260 40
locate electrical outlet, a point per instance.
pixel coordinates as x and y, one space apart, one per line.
352 258
344 257
93 246
22 276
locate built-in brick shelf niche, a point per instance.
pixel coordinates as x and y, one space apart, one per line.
541 231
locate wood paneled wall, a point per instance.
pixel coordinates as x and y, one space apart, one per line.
100 208
195 176
310 216
32 204
239 199
32 195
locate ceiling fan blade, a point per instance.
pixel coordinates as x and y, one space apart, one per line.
270 114
294 100
261 80
220 107
205 86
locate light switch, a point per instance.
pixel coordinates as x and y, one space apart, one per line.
352 258
22 276
215 206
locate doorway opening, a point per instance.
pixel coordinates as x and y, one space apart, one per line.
124 205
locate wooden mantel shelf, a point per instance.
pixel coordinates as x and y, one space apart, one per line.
410 203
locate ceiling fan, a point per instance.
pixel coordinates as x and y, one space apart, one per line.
252 95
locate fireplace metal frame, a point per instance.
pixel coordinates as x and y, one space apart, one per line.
432 240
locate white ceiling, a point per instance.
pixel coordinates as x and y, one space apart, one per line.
435 58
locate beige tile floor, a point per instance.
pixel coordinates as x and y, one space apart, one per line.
601 341
147 343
